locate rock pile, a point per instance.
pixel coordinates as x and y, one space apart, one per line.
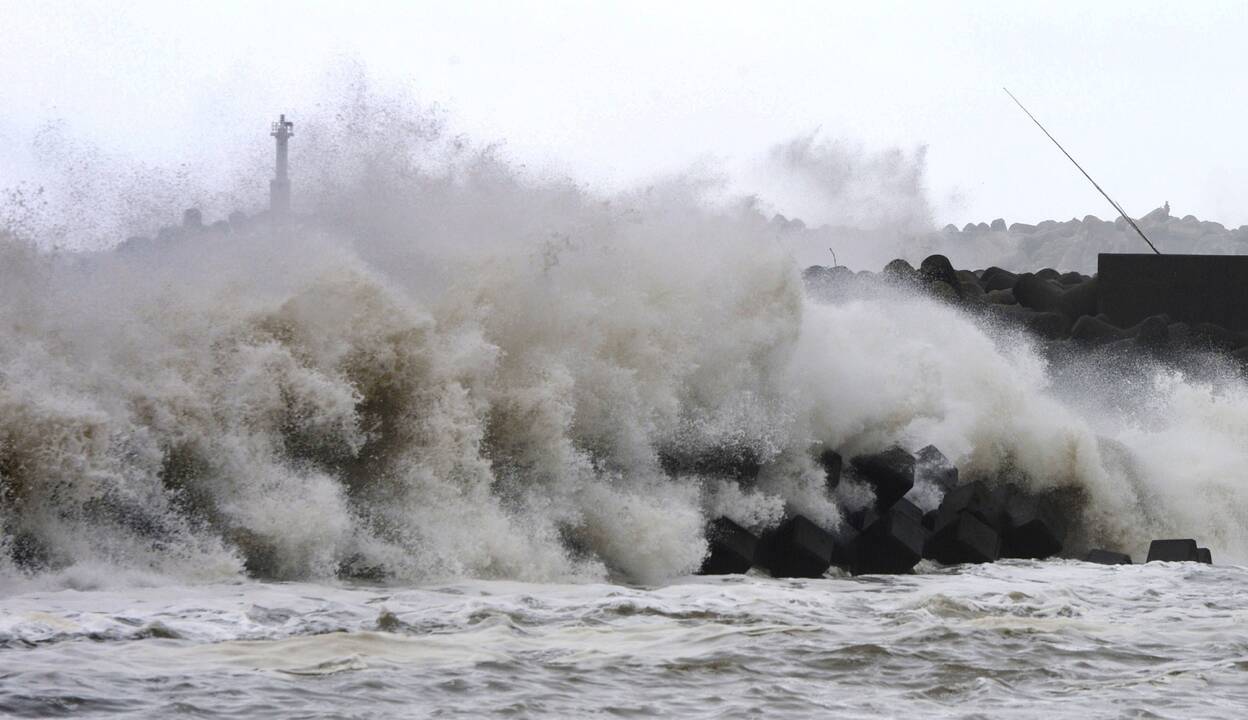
891 534
1059 308
973 523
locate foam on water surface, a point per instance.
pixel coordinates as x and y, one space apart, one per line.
1011 639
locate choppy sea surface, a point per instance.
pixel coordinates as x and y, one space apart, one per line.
1013 639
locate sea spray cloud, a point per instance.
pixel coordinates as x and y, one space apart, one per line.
829 180
451 369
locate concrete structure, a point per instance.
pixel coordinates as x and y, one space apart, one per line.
279 186
1188 288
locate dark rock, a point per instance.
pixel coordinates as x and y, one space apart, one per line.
890 474
1172 551
943 291
1153 333
1022 228
994 278
821 278
1080 300
1047 325
998 225
901 271
929 519
972 291
192 218
1090 331
1072 278
932 466
1001 297
1203 555
816 275
1108 557
891 544
1031 536
937 269
967 276
1033 292
798 548
964 539
1048 274
732 548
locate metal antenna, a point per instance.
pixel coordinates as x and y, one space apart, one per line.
1117 207
834 262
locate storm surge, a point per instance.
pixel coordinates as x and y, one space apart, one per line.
450 369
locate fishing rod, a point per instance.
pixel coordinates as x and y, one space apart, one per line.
1117 207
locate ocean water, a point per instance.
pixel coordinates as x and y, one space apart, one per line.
1022 639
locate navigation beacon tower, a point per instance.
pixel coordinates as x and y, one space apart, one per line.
279 186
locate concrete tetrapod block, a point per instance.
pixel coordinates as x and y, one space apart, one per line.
894 543
974 498
1032 538
1027 531
798 548
964 539
862 518
1184 550
890 474
732 548
909 509
1108 557
931 465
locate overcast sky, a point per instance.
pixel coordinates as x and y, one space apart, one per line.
1151 97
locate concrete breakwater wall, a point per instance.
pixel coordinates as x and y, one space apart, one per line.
1186 288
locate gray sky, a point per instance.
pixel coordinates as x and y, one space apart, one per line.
1149 96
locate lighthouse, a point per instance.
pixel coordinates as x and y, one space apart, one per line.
279 186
